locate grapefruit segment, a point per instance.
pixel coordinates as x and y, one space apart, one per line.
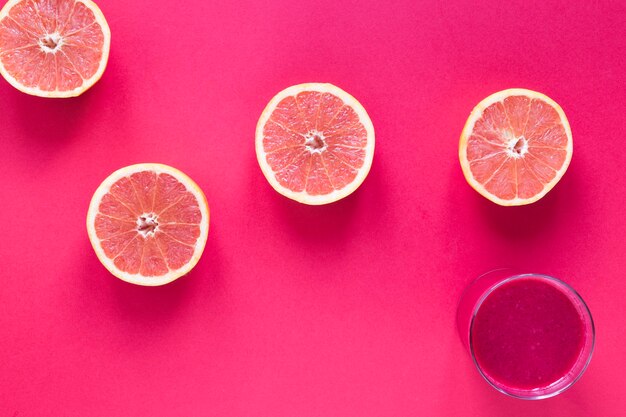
318 179
108 227
54 48
515 146
315 143
184 233
148 224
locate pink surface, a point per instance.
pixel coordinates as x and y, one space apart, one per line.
343 310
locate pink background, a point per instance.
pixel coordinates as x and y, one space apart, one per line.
296 311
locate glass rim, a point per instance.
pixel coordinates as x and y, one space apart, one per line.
571 293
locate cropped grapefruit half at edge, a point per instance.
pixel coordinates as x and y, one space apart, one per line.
53 48
148 223
515 146
315 143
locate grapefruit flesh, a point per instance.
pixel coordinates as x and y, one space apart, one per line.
53 48
148 224
515 147
315 143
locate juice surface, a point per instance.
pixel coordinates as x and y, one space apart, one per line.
527 334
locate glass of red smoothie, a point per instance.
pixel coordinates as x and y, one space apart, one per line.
531 336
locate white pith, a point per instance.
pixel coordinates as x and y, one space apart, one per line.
303 196
512 144
311 142
54 37
147 224
108 263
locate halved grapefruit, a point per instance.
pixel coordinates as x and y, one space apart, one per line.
315 143
148 223
53 48
515 146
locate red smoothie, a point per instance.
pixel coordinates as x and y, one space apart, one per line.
531 336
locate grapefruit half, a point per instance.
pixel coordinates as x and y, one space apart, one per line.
515 146
148 224
315 143
53 48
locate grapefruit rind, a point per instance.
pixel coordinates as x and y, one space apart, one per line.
303 196
87 84
469 127
108 262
